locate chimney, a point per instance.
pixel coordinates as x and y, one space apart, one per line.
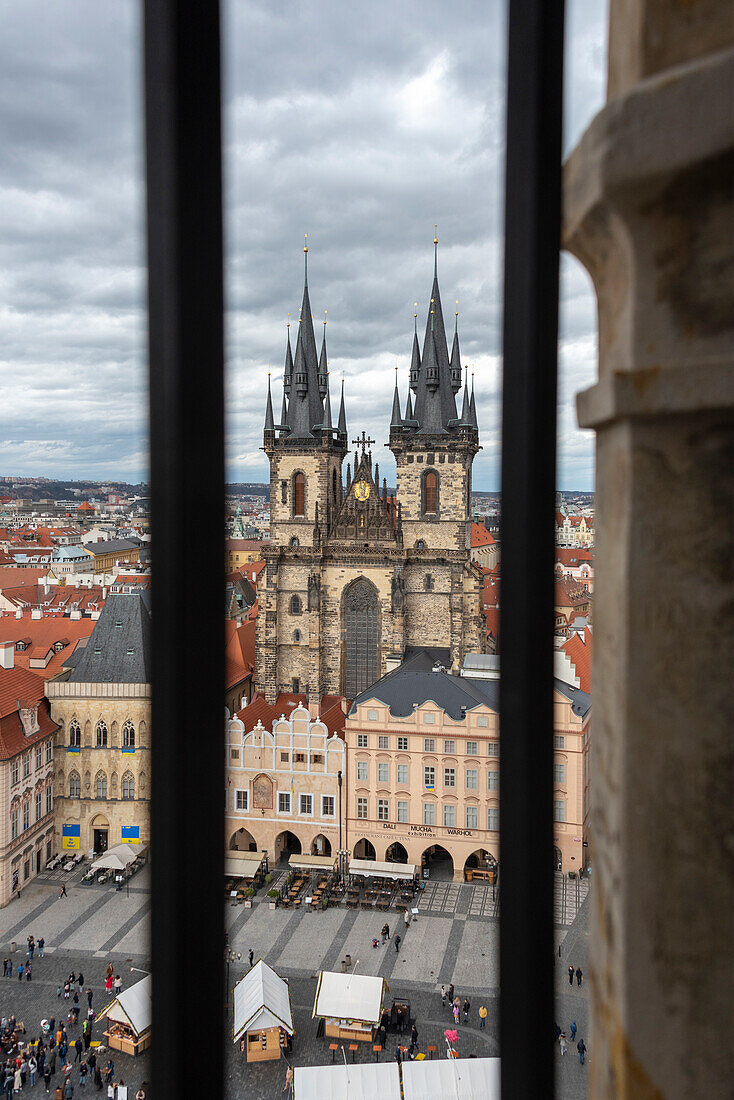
104 591
19 613
36 613
7 654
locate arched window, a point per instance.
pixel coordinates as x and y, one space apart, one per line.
128 786
295 543
333 485
101 785
295 605
428 582
360 631
75 785
75 734
420 544
430 492
299 494
101 735
128 735
296 635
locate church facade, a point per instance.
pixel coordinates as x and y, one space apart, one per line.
353 576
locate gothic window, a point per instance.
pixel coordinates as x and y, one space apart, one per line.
295 685
420 545
428 582
128 786
75 785
101 785
296 635
101 735
284 492
333 485
294 543
360 630
295 605
128 735
75 734
430 492
299 494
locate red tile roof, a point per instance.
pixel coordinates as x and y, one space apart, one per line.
480 536
40 636
579 648
16 577
257 710
239 651
572 556
245 544
19 684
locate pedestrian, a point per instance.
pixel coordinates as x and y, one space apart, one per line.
41 946
67 990
397 943
5 968
570 975
581 1048
573 1031
89 996
563 1043
80 979
375 942
82 1075
58 990
443 996
467 1006
28 972
110 1091
20 972
406 918
32 1070
109 1070
579 975
47 1077
68 1089
52 1062
414 1036
110 972
456 1014
118 985
23 1073
252 957
397 1054
108 983
78 1047
97 1078
450 992
18 1081
51 1025
482 1016
87 1034
62 890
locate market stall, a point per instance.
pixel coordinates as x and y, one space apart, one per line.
452 1079
361 1081
349 1004
130 1018
373 868
262 1013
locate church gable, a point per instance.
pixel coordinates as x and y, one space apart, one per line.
365 516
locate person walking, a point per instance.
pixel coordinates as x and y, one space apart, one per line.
455 1009
32 1070
89 996
78 1047
20 972
581 1048
67 990
252 957
579 975
82 1075
17 1081
573 1031
467 1006
97 1078
397 943
450 992
562 1043
406 918
52 1062
413 1038
108 983
570 975
47 1076
443 996
28 972
41 946
482 1016
68 1089
385 933
118 985
86 1034
62 890
5 968
80 979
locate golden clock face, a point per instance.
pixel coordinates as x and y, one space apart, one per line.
361 490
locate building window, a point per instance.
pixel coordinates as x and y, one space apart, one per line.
559 742
241 800
299 495
383 742
327 805
234 754
372 716
383 809
27 869
403 811
429 718
403 774
284 492
429 813
472 817
449 815
128 787
317 758
295 605
493 748
483 720
26 815
296 685
449 746
128 736
363 771
284 802
559 773
75 786
14 823
39 756
15 773
360 610
294 544
101 735
472 748
101 786
75 734
420 544
403 744
39 805
49 799
472 779
362 807
284 757
430 492
493 781
361 740
296 635
429 744
306 804
383 773
559 809
26 765
493 819
449 777
428 582
49 751
429 777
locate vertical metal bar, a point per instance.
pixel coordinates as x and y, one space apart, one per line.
532 241
183 140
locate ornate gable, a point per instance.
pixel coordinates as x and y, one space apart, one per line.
365 516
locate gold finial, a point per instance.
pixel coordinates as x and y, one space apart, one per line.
324 318
456 311
288 322
305 242
415 309
435 239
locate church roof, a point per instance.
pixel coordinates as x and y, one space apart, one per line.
119 650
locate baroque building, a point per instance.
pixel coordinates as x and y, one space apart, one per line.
354 576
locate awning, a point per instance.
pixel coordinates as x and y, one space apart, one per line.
452 1079
261 999
362 1081
349 997
376 869
241 868
117 858
134 1006
316 863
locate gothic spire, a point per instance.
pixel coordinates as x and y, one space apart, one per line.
305 408
342 414
288 368
395 419
269 422
456 357
435 404
323 364
472 407
327 407
415 358
466 406
409 407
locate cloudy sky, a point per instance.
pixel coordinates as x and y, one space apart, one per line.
360 130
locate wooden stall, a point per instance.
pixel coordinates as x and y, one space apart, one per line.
349 1004
130 1018
262 1013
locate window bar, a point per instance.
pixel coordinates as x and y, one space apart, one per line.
530 335
184 215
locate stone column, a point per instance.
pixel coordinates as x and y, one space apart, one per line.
649 210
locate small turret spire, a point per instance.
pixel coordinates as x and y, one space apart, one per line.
395 419
327 407
269 421
472 407
465 408
342 414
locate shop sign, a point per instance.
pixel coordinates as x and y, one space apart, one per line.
70 837
422 830
459 832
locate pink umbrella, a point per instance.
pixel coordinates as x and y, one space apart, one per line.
451 1036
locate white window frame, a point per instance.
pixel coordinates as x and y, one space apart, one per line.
15 773
241 795
429 744
449 747
383 741
493 749
26 815
49 799
474 812
325 799
383 809
39 756
429 718
483 720
429 768
429 813
301 811
493 819
403 777
559 809
472 748
493 780
362 741
472 779
14 823
449 777
39 805
287 796
363 771
363 811
373 716
559 773
402 744
559 741
403 811
449 811
383 772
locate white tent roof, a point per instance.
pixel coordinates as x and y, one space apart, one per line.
381 870
241 868
349 996
261 999
117 858
452 1079
362 1081
134 1006
313 862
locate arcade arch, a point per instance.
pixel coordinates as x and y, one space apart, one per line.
396 853
242 841
286 844
364 849
439 862
320 845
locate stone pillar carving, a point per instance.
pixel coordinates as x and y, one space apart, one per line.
649 210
